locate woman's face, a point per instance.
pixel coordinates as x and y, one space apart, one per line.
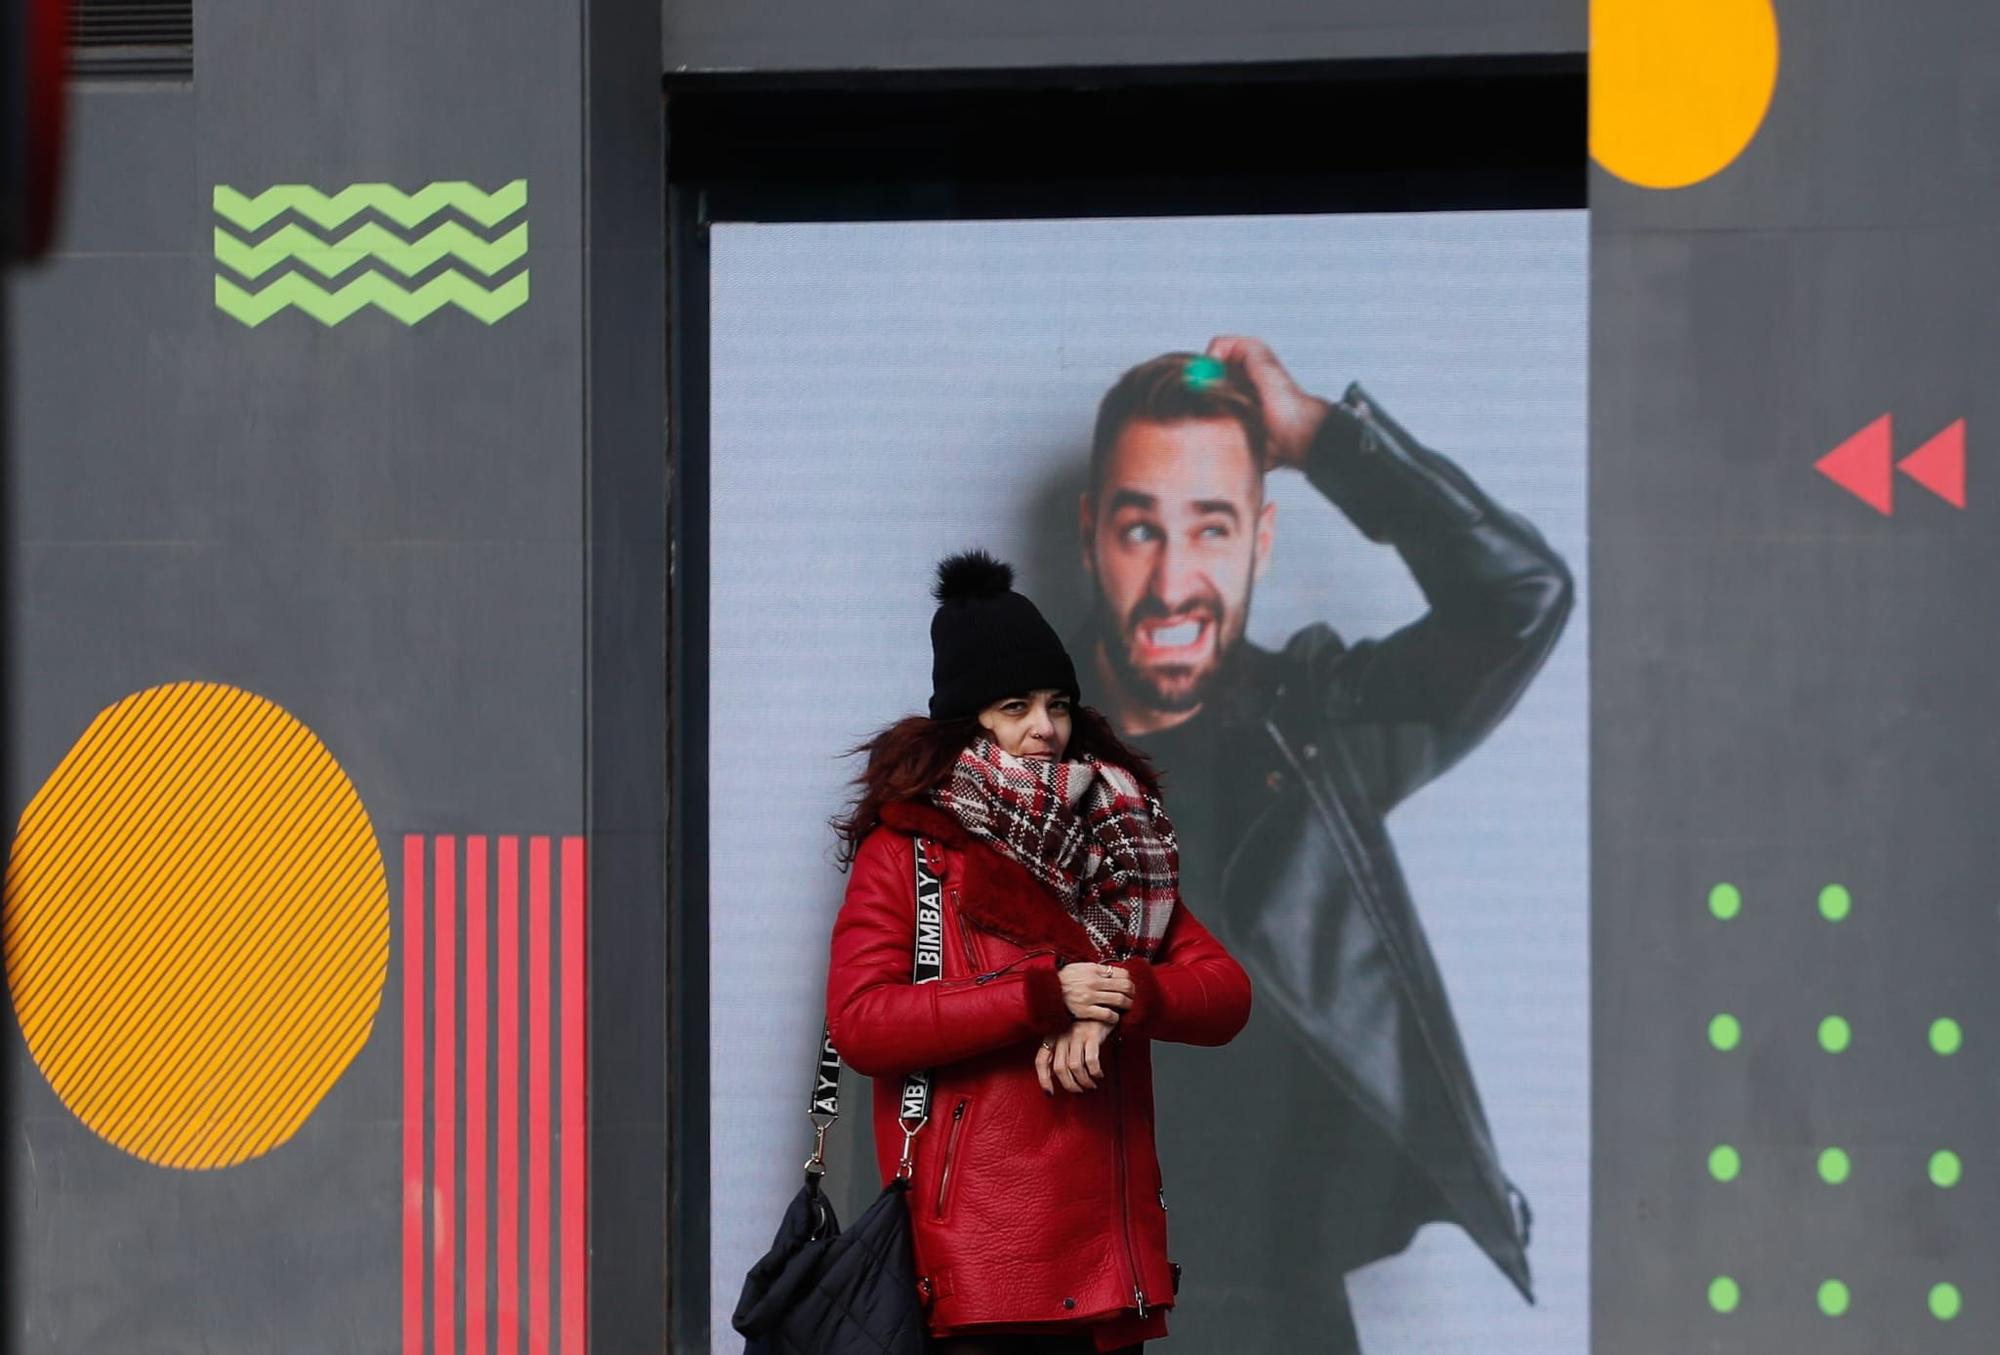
1035 725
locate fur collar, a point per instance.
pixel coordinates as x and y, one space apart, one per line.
995 892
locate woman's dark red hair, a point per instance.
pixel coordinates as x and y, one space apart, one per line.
911 757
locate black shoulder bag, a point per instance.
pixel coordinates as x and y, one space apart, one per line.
821 1291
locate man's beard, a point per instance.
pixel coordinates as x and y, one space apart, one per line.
1169 688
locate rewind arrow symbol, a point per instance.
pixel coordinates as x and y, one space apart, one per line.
1864 465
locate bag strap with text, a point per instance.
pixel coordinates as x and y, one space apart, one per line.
926 966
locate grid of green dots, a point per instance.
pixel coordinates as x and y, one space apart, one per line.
1833 1164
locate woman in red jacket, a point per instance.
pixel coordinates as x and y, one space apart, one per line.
1036 1197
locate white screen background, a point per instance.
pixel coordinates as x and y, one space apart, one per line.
885 393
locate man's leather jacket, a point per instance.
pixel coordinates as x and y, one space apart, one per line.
1313 902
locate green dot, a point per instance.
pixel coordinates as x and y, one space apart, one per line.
1725 1032
1946 1037
1725 901
1724 1294
1944 1302
1203 372
1835 1034
1724 1162
1834 1166
1833 1298
1945 1169
1835 903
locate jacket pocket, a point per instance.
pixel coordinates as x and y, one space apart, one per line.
951 1149
1023 958
975 954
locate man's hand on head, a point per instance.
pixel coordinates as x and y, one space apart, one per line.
1291 415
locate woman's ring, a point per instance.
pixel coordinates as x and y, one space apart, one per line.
1048 1044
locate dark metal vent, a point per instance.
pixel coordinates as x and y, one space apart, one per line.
132 40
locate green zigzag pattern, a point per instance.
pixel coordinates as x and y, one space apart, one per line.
405 209
370 241
371 289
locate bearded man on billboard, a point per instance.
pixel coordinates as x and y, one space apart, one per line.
1346 1116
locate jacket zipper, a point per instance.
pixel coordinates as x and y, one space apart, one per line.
972 955
950 1153
1124 1200
990 975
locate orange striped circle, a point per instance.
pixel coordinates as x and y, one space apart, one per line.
196 925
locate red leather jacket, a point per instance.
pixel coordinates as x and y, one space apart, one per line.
1030 1211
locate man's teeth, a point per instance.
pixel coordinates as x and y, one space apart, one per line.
1173 637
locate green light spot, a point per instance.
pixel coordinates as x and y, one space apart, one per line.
1946 1037
1724 1294
1833 1298
1835 903
1204 372
1945 1169
1835 1034
1834 1166
1725 901
1725 1032
1944 1302
1724 1162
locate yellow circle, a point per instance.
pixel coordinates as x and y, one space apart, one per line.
1678 87
196 925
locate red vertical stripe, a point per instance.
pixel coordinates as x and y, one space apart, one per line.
557 969
507 1186
413 1095
575 1130
444 1244
475 1096
538 1096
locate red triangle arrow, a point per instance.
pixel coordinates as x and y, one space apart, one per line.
1939 465
1861 466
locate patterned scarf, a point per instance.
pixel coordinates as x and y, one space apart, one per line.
1087 830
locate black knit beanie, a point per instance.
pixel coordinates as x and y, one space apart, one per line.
987 641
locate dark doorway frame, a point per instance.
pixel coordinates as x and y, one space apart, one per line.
1388 135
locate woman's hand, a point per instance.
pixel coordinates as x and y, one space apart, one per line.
1073 1058
1096 992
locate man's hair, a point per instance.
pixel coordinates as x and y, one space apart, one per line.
1174 388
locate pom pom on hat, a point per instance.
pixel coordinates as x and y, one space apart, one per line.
971 574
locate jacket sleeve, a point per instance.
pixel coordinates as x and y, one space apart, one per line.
1192 991
1499 596
883 1024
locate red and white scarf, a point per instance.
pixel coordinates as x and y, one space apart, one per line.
1088 830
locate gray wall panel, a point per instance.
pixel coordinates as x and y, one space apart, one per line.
285 1252
404 93
758 35
105 369
388 652
1792 690
1729 361
384 528
626 666
1882 116
135 192
450 431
